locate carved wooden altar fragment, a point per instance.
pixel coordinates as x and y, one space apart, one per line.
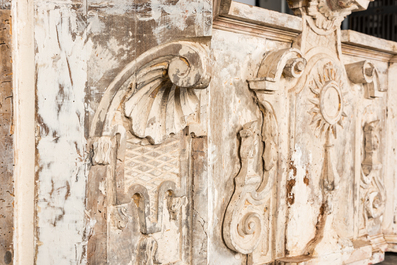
198 132
297 154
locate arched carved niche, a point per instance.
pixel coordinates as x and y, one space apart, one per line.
139 181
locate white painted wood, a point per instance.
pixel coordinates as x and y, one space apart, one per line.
24 122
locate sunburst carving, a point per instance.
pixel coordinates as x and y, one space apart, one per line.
328 110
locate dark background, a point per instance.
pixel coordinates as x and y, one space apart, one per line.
379 20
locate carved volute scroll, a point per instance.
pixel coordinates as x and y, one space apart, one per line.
275 64
246 229
137 142
245 225
365 72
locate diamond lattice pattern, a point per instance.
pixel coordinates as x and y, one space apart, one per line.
150 165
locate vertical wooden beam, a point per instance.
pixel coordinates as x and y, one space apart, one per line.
24 137
6 131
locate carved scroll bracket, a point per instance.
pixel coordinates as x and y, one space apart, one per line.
245 224
372 189
287 63
372 182
365 72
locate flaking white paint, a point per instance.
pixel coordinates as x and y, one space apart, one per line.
61 66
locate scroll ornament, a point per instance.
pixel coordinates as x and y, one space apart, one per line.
365 73
245 221
276 64
244 225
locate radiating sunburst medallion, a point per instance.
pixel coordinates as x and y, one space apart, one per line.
328 103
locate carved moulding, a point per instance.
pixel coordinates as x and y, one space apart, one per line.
148 104
365 72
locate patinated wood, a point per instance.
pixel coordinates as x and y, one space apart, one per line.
7 150
192 132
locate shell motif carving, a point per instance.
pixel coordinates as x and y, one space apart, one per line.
163 101
156 92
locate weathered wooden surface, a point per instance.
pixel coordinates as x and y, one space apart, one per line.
80 47
7 152
162 139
